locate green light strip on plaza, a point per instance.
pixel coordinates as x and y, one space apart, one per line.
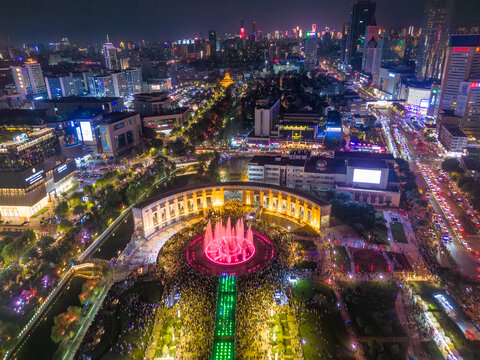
224 343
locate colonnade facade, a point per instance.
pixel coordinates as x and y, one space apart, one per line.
154 214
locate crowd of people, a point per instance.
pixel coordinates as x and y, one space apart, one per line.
197 292
133 317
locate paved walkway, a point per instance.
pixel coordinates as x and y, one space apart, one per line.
348 324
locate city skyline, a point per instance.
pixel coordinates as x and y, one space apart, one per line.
88 23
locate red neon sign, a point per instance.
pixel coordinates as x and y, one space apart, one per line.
461 49
242 33
474 85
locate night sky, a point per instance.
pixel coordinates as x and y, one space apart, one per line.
89 20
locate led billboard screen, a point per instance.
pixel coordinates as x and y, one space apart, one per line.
367 176
86 128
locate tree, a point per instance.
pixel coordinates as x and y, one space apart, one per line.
64 225
79 209
65 324
89 189
62 209
45 242
90 290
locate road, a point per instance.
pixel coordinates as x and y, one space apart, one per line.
405 145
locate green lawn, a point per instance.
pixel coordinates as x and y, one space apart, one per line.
340 257
321 326
379 233
372 308
398 232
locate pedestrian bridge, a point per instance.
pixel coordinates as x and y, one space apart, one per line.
153 215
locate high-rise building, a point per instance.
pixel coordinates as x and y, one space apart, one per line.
461 73
29 78
112 61
372 55
134 81
462 63
212 40
59 86
412 41
433 42
119 83
346 27
362 15
311 50
101 86
242 29
468 106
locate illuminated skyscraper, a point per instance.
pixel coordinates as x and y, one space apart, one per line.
372 56
242 29
433 41
311 50
212 40
362 15
111 56
29 78
460 89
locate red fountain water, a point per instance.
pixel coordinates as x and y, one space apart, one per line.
227 245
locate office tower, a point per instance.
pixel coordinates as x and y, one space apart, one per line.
101 86
468 106
212 40
433 42
242 29
111 56
362 15
461 74
29 78
277 35
462 63
311 50
343 44
371 53
60 86
134 81
119 83
393 49
412 41
254 29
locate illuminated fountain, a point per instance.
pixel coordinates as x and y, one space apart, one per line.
227 244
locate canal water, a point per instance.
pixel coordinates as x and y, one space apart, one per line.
116 240
38 345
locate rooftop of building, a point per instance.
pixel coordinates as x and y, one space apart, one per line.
18 138
116 116
367 163
152 94
262 160
77 99
464 40
471 163
22 117
169 111
363 155
266 103
454 131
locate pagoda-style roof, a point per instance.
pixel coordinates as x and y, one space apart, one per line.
227 80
